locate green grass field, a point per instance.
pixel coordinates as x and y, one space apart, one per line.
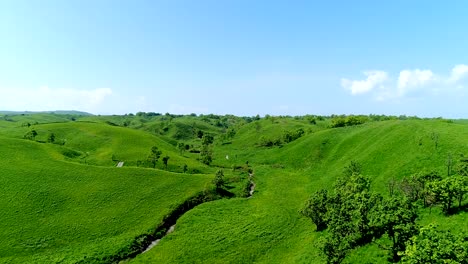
58 207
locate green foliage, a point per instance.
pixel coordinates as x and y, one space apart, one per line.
181 147
449 189
316 209
289 136
353 167
397 218
31 135
268 142
436 246
342 121
206 154
154 156
51 138
355 216
165 159
207 139
218 180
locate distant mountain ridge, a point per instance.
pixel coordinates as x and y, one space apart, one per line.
57 112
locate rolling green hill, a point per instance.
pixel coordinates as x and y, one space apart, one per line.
65 201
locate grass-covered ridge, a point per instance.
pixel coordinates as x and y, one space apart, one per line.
65 201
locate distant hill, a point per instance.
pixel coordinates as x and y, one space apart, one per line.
57 112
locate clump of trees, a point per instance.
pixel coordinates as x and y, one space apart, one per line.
431 189
352 120
436 246
31 135
287 137
355 216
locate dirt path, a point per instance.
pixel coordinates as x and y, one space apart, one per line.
120 164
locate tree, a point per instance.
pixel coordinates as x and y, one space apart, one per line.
231 133
51 138
218 180
199 134
412 187
436 246
154 156
165 159
31 135
354 167
206 155
181 147
207 139
461 187
397 218
444 192
462 167
316 209
334 248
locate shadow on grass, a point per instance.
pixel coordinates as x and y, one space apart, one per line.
459 209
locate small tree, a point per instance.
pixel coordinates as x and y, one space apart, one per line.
165 159
444 192
154 156
218 181
31 135
207 139
354 167
181 147
206 155
51 138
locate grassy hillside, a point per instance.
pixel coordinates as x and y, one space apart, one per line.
268 227
65 200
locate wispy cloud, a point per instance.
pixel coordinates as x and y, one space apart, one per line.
409 82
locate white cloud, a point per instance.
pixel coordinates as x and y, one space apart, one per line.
411 79
410 82
458 73
374 79
47 99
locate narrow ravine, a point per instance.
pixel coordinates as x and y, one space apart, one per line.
156 242
146 242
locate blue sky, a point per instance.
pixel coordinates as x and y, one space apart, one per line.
238 57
